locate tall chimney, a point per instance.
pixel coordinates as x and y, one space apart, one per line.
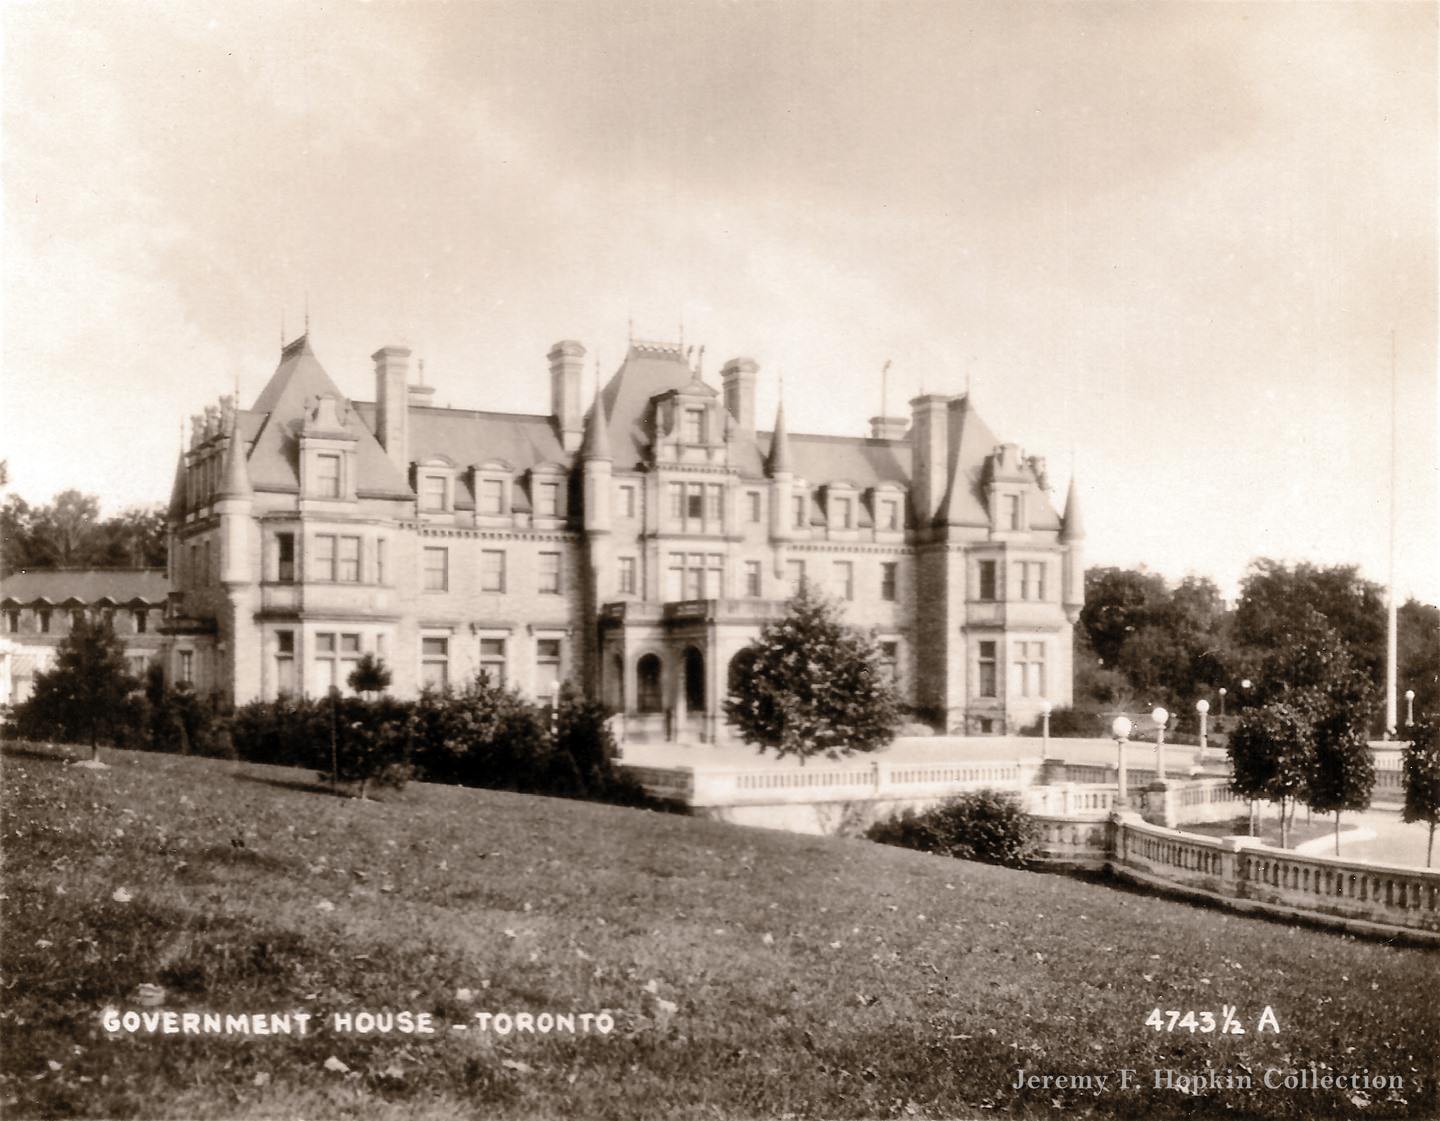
928 436
566 359
738 377
392 370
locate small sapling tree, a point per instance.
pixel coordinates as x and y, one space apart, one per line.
1272 750
1422 778
370 676
812 685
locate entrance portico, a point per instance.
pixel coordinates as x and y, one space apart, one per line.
666 666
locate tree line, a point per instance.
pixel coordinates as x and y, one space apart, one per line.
68 532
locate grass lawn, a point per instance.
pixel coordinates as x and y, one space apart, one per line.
749 973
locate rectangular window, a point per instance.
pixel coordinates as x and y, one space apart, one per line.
550 574
207 573
44 619
326 666
695 576
693 431
801 518
677 501
432 492
752 579
627 501
714 500
185 671
492 570
437 569
547 668
1012 511
675 578
381 548
138 665
695 503
12 620
434 661
889 514
547 500
1027 671
753 502
794 574
492 659
327 475
284 662
888 570
349 658
627 572
285 558
324 566
890 661
142 622
842 515
987 670
1031 577
492 496
715 576
193 571
349 560
987 579
845 579
77 619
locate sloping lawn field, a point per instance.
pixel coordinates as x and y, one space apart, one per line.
748 973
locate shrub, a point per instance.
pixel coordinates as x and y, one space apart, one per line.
1068 723
986 825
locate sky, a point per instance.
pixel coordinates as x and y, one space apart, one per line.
1168 245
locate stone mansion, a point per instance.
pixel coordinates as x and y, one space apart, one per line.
634 546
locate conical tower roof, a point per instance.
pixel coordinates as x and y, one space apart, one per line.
778 461
597 430
235 477
1072 526
177 489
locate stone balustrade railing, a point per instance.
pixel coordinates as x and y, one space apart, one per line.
823 781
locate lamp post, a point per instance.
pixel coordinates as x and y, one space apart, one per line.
1045 707
1222 705
1202 706
1120 729
1245 684
1409 708
1161 718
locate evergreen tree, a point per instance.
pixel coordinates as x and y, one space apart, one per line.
812 685
1422 778
370 675
85 696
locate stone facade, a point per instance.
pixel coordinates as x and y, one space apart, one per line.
635 547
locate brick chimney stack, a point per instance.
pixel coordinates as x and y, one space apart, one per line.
566 359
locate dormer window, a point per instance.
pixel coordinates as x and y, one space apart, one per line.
327 475
693 426
889 519
1010 507
492 497
433 493
842 517
547 500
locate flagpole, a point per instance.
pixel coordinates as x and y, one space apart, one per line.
1391 620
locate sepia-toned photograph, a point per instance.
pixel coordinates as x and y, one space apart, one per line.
719 559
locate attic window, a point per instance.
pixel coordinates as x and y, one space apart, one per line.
841 519
1012 511
432 492
693 430
547 500
327 476
492 496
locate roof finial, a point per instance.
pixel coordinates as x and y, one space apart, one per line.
631 330
682 334
700 364
307 311
885 388
422 371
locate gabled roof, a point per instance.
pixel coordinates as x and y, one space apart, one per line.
274 456
86 585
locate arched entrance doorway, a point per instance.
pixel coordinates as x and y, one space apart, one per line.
694 681
647 684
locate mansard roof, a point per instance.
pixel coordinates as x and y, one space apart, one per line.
121 586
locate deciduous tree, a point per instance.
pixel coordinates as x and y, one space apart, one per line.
1422 778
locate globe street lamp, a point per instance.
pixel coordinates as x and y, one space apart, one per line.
1120 729
1161 718
1202 706
1222 704
1045 707
1409 708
